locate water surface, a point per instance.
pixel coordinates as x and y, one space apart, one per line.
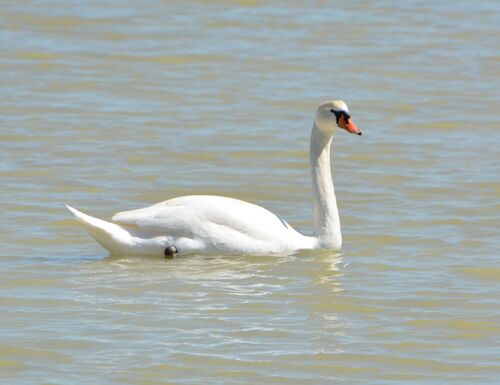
111 105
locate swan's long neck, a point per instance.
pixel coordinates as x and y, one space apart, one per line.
326 214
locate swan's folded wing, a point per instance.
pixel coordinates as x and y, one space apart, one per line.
204 216
159 218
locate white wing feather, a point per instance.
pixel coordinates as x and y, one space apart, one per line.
201 216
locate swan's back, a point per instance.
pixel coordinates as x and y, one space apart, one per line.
213 220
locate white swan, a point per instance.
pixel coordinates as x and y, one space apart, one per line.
219 225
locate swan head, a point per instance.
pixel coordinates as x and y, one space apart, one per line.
334 114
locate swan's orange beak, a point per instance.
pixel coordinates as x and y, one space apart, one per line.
348 125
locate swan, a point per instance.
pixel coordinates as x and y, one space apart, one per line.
205 224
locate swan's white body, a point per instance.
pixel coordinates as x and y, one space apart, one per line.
198 224
219 225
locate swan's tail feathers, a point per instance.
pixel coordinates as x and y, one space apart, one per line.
109 235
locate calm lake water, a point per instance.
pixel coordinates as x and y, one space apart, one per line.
113 105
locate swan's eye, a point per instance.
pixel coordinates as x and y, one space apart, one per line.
338 114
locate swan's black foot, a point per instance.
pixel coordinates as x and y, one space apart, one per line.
170 252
